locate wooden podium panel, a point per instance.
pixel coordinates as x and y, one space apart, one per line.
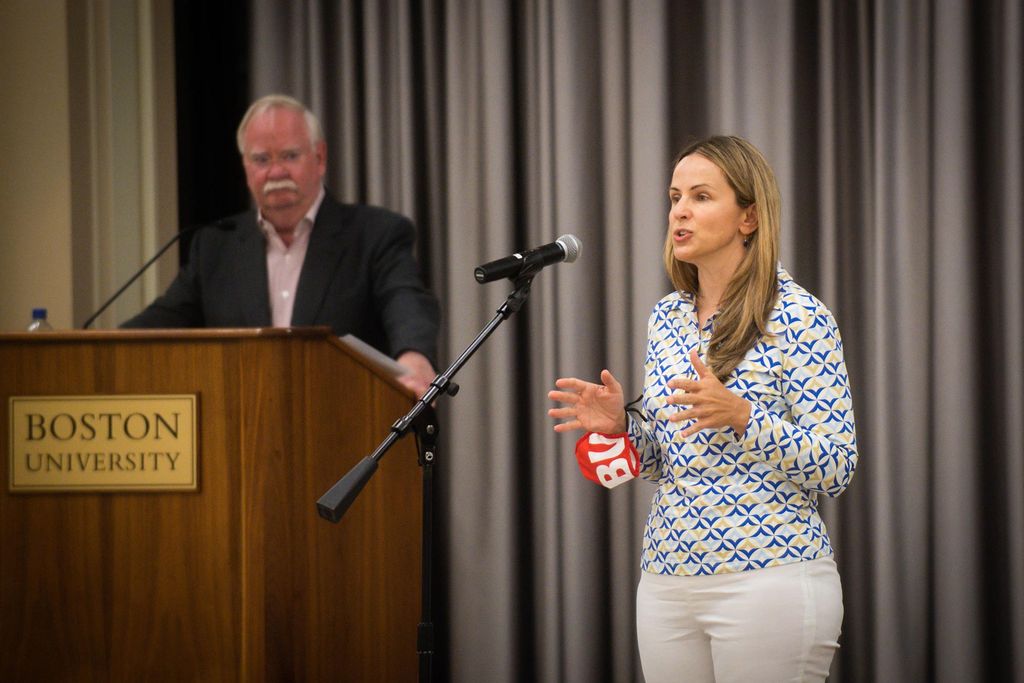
240 580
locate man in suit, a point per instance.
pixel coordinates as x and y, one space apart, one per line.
301 257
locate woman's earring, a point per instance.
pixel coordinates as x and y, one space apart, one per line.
746 241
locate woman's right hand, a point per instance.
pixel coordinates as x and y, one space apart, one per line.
592 407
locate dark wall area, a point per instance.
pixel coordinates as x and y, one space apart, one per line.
211 45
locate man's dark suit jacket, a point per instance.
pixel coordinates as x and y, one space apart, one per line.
359 277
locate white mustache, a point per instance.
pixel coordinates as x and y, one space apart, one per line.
272 185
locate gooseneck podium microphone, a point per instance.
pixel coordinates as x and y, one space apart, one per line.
222 224
565 248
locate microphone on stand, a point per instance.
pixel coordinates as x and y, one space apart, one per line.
222 224
565 248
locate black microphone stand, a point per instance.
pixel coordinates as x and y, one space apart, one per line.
177 236
222 224
422 419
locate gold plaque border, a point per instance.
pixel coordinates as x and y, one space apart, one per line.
192 486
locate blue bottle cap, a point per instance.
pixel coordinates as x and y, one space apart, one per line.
38 313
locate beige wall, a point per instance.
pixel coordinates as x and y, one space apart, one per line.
35 192
87 155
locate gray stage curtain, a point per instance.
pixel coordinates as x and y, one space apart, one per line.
894 127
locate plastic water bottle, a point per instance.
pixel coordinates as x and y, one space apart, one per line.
39 322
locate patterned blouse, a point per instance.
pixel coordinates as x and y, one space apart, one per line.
726 504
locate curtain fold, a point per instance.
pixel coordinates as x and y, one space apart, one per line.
894 128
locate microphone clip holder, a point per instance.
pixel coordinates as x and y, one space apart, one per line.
518 297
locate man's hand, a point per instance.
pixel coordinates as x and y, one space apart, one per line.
421 372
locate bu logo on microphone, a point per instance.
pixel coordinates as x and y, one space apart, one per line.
607 459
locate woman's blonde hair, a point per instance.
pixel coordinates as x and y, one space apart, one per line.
744 309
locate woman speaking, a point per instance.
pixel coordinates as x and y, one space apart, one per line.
746 417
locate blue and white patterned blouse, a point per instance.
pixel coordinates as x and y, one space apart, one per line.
725 504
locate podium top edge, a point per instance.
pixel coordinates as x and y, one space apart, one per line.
204 334
189 334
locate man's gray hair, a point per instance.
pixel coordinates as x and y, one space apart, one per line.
316 133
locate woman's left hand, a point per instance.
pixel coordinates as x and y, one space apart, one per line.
711 404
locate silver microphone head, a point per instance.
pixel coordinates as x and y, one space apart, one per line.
572 245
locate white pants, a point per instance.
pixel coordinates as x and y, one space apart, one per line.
771 625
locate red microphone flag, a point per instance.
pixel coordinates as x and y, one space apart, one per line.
607 459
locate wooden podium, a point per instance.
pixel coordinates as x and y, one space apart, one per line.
239 580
